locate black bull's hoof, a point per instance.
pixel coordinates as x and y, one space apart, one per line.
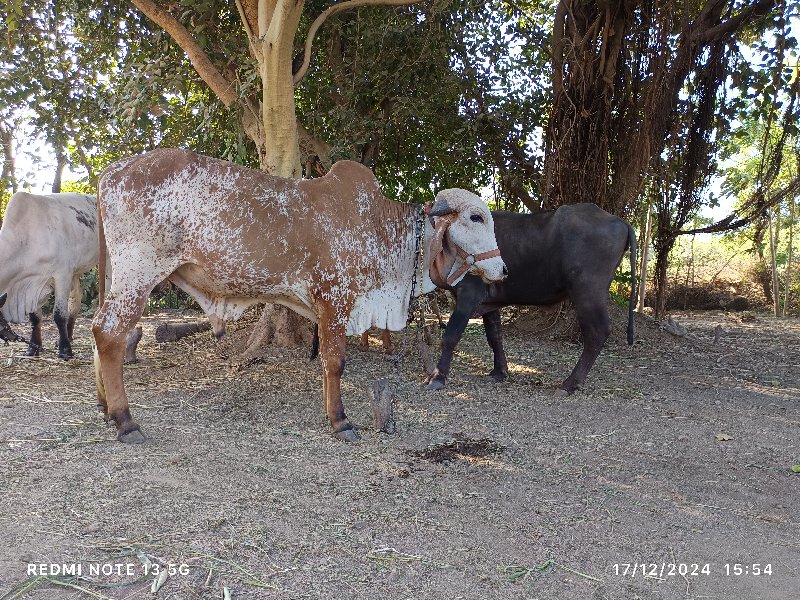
435 384
436 381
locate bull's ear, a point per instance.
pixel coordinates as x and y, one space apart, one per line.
440 208
3 299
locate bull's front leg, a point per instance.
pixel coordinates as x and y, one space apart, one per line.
470 294
35 343
494 335
332 342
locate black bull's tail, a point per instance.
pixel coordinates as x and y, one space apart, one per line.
632 246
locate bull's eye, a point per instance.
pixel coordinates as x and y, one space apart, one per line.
476 218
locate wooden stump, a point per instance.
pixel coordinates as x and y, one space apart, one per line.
172 332
134 337
425 356
382 398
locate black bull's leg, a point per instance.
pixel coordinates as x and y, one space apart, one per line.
470 296
494 335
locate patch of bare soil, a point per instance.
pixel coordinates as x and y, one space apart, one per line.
668 476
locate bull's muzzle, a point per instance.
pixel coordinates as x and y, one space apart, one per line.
470 265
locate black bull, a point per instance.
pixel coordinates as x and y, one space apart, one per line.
571 252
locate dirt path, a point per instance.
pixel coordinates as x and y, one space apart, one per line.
677 452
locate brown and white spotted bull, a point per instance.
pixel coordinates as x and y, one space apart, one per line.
333 249
46 243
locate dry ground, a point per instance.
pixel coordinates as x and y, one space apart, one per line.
678 451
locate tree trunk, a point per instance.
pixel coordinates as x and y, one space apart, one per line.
660 275
644 246
281 154
270 26
787 281
172 332
774 267
277 326
61 161
9 176
761 271
279 149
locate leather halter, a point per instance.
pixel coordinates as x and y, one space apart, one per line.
469 260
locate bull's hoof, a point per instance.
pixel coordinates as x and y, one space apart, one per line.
66 355
435 384
496 376
32 351
347 435
134 436
562 393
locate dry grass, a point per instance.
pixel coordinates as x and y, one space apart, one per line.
242 490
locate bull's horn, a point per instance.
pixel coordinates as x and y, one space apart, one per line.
440 207
3 299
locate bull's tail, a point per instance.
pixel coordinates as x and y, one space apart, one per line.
314 343
632 247
103 279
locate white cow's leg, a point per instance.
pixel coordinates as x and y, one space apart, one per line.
62 290
74 306
332 340
35 343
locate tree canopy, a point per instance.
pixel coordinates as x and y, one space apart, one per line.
545 102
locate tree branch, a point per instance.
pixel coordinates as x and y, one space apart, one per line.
757 9
215 80
310 146
557 52
266 11
245 14
329 12
750 211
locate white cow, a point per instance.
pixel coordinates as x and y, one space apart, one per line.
47 242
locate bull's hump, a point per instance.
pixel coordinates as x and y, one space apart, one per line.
349 190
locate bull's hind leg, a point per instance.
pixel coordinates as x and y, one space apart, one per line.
63 290
595 325
123 306
332 341
110 328
74 306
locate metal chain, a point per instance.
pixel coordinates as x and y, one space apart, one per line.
419 262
